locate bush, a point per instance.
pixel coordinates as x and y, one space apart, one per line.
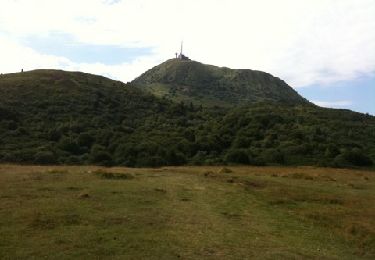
45 157
19 156
272 156
175 158
354 157
85 139
114 175
257 162
237 156
100 156
150 161
73 160
69 145
331 151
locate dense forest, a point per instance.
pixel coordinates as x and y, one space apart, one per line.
57 117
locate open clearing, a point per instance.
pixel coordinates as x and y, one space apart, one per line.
186 213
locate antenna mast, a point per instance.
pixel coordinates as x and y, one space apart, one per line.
181 56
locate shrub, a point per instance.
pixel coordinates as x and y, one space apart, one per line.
69 145
150 161
175 158
100 156
85 139
354 157
259 161
331 151
273 156
114 175
237 156
45 157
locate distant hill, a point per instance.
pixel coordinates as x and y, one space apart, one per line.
191 81
59 117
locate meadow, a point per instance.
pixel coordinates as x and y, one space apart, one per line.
88 212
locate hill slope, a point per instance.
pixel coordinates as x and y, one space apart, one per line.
191 81
61 115
57 117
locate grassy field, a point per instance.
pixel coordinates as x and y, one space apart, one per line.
186 213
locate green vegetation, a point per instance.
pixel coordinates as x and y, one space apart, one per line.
57 117
186 212
191 81
180 113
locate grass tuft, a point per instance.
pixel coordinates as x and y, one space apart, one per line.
114 175
225 170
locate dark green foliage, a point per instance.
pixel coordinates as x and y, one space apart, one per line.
273 156
331 151
237 156
85 140
45 157
99 155
174 157
69 145
49 117
354 157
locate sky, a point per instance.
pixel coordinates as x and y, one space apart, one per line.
324 49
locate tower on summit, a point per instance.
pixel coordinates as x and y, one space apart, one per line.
181 56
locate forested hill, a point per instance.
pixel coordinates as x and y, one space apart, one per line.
57 117
191 81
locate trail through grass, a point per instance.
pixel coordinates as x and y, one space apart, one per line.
186 213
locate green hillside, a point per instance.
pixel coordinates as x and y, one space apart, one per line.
57 117
191 81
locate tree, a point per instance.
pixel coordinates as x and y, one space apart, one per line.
353 157
175 158
237 156
85 139
273 156
331 151
69 145
45 157
99 155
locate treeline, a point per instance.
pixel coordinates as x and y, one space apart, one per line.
83 119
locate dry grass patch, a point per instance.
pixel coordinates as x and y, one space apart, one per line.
225 170
190 212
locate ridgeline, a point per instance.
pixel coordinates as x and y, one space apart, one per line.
180 112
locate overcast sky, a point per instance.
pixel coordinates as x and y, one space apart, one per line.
325 49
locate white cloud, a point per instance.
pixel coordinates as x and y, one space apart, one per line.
15 57
333 104
124 71
304 42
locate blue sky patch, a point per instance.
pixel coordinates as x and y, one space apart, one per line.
360 92
65 45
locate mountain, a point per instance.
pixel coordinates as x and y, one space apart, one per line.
191 81
59 117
